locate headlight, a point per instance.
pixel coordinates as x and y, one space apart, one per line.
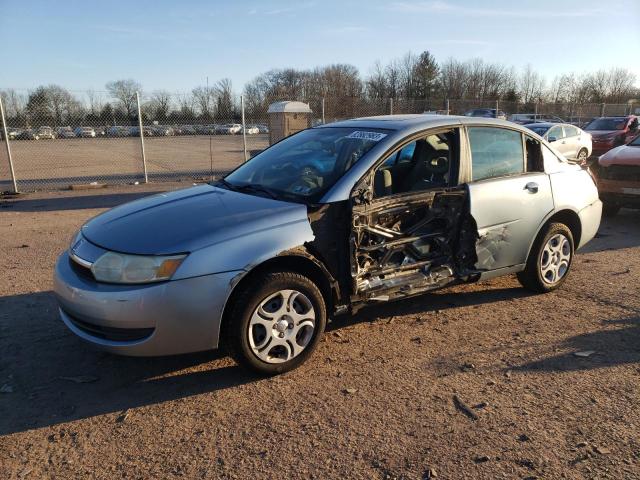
115 267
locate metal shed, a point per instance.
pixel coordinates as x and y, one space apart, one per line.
287 118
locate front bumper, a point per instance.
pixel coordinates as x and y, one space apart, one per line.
167 318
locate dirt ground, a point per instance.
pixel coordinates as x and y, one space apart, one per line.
377 400
55 163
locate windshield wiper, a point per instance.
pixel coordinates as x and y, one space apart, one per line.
225 184
250 187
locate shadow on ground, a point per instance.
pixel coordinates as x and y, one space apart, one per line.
79 202
430 302
621 231
38 351
610 347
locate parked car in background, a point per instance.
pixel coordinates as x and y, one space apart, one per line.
611 132
28 134
85 132
46 132
262 128
188 130
134 131
100 131
229 129
618 175
65 132
12 133
327 220
486 113
251 130
526 118
117 131
161 131
567 139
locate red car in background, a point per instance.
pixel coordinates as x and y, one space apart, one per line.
611 132
618 177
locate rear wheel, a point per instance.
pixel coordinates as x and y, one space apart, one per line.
582 156
275 322
550 259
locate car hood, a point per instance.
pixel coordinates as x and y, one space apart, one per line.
187 220
622 155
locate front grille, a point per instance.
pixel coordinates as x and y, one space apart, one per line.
629 173
111 333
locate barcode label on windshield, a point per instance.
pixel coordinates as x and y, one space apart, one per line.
372 136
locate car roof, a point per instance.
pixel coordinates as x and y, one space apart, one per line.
544 124
414 122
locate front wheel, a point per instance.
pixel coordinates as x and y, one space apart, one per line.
275 322
550 259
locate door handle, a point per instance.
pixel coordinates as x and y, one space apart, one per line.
532 187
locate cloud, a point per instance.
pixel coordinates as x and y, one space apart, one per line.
442 7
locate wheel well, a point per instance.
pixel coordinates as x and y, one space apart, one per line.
298 263
571 220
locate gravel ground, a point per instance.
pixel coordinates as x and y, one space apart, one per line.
478 381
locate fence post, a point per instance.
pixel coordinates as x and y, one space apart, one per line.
497 107
391 106
244 129
631 108
323 122
535 111
6 140
144 158
602 106
447 106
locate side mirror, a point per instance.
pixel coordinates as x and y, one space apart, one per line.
551 139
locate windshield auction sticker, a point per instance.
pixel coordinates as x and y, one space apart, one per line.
371 136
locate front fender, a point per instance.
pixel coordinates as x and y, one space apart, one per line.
244 252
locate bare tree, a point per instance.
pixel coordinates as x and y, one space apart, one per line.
125 92
224 101
95 102
531 85
160 104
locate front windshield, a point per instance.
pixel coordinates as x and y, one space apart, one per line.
537 129
305 165
607 124
635 142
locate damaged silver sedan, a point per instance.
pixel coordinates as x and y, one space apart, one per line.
324 222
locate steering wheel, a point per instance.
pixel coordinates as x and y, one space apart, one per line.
309 179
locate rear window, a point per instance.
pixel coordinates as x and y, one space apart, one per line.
495 152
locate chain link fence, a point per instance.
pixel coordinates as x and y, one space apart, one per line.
57 142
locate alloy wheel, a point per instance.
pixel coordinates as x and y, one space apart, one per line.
555 259
281 326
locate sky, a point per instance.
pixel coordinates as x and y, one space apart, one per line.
176 45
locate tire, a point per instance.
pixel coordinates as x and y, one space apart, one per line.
610 209
256 333
550 259
582 155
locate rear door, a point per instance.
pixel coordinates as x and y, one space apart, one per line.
509 195
572 141
556 136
